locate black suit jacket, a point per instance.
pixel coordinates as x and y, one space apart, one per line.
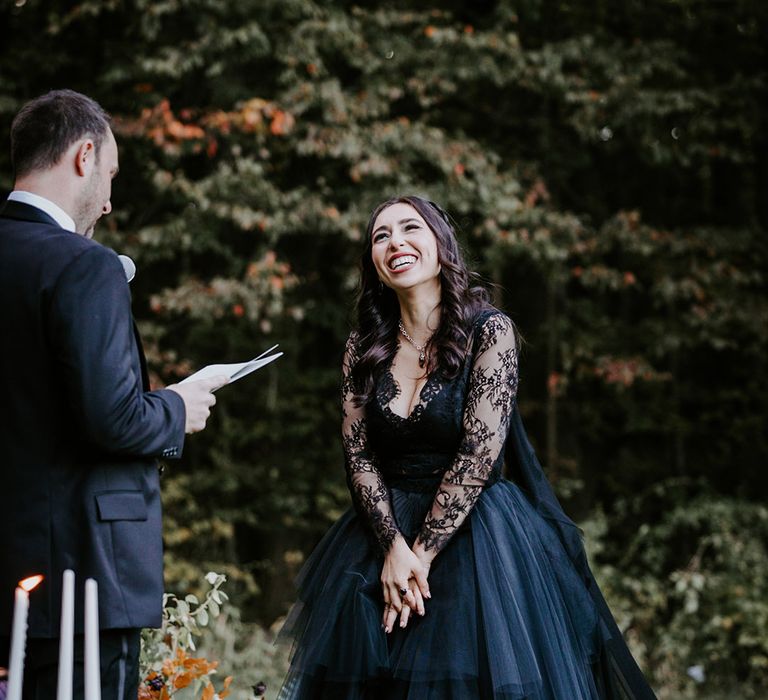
79 429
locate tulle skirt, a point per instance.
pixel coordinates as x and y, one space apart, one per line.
509 617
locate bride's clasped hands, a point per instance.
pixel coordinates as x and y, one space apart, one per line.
404 583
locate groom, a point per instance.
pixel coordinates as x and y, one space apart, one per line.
79 427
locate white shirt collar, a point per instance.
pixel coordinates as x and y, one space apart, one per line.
53 210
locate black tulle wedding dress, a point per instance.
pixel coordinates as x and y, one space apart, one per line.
515 612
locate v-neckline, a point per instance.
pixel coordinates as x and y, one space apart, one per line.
418 407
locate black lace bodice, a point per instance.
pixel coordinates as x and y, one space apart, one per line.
452 443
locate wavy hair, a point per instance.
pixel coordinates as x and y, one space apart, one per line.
378 310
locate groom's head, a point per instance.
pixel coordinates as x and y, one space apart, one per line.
62 148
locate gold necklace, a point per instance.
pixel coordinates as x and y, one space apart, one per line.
421 348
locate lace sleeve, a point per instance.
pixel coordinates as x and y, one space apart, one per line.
369 493
490 397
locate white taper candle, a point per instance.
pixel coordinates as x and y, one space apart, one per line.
18 644
67 637
92 665
19 637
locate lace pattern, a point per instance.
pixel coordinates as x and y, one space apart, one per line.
491 392
369 492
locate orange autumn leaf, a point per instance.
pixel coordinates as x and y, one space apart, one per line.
209 667
208 693
225 689
429 30
183 132
182 681
282 123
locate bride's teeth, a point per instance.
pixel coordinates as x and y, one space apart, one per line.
405 260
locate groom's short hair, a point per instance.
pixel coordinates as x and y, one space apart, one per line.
48 125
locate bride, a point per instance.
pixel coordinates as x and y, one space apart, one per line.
446 581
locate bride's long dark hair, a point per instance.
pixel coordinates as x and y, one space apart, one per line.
378 311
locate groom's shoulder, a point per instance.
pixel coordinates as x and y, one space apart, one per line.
61 247
46 252
75 254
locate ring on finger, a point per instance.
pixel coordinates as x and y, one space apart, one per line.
403 592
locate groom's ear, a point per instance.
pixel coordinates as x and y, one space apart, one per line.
85 158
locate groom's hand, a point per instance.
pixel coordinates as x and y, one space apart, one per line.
198 399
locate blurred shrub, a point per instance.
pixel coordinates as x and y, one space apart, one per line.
248 652
692 585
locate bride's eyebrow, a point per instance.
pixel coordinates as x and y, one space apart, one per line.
402 222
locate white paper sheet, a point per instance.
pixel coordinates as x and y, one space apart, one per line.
235 370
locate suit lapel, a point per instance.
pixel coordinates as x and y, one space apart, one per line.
25 212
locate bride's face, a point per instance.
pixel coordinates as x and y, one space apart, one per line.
404 248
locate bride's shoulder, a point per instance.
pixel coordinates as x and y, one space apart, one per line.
492 319
492 326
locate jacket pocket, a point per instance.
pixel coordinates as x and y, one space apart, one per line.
121 505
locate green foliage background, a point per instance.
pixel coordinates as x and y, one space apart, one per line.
606 164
